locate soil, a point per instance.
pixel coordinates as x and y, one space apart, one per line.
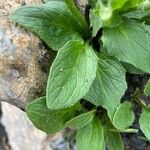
136 141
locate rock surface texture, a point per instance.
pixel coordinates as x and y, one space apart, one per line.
24 62
22 135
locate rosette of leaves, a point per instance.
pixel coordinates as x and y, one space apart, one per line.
83 70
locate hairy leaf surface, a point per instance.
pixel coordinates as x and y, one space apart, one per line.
49 121
109 85
145 122
129 43
113 140
71 74
91 137
52 22
124 116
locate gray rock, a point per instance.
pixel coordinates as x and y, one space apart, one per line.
24 62
22 134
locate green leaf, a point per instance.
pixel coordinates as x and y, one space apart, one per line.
95 22
131 4
49 121
52 22
144 4
109 85
147 88
129 43
131 69
147 28
71 5
103 15
145 122
117 4
130 130
91 137
140 14
71 74
113 140
81 120
124 116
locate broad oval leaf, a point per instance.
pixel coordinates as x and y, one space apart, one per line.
71 74
129 43
109 85
91 137
124 116
49 121
52 22
145 122
81 120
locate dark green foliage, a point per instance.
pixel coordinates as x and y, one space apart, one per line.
95 73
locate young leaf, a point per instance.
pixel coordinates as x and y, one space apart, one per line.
117 4
81 120
71 74
71 5
124 116
103 15
129 43
49 121
109 85
95 22
113 140
145 122
147 88
144 4
91 137
52 22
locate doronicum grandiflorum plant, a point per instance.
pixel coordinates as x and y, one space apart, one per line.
90 67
